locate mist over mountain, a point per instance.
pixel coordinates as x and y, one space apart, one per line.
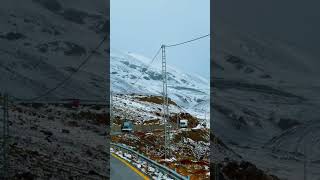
265 90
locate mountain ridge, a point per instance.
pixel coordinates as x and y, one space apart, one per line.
190 92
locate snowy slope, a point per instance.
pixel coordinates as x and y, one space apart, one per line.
189 91
266 97
131 107
43 41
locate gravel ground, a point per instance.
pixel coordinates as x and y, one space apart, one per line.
58 142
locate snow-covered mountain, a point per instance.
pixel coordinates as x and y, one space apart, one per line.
43 41
266 100
189 91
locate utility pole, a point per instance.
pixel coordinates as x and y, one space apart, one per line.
111 110
216 165
216 171
165 104
4 138
205 118
304 162
178 123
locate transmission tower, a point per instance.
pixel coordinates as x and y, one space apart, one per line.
305 161
165 104
4 138
111 110
216 162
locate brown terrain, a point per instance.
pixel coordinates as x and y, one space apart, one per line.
58 142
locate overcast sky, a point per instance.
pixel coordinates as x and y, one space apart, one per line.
293 21
141 26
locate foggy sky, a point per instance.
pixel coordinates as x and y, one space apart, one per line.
142 26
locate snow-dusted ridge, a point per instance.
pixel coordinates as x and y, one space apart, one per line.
189 91
265 96
40 46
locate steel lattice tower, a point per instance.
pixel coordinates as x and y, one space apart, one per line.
305 161
165 104
111 109
4 138
216 166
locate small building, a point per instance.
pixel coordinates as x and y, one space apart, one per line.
183 123
127 126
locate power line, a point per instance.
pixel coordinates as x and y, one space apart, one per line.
172 45
70 75
148 66
185 42
154 58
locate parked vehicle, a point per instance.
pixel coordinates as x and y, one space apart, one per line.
183 123
127 126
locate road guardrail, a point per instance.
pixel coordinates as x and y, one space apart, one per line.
163 169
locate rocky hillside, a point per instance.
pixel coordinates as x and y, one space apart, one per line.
43 41
266 101
58 142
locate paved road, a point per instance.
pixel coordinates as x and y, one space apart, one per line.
120 171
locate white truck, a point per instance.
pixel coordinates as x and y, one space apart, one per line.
183 123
